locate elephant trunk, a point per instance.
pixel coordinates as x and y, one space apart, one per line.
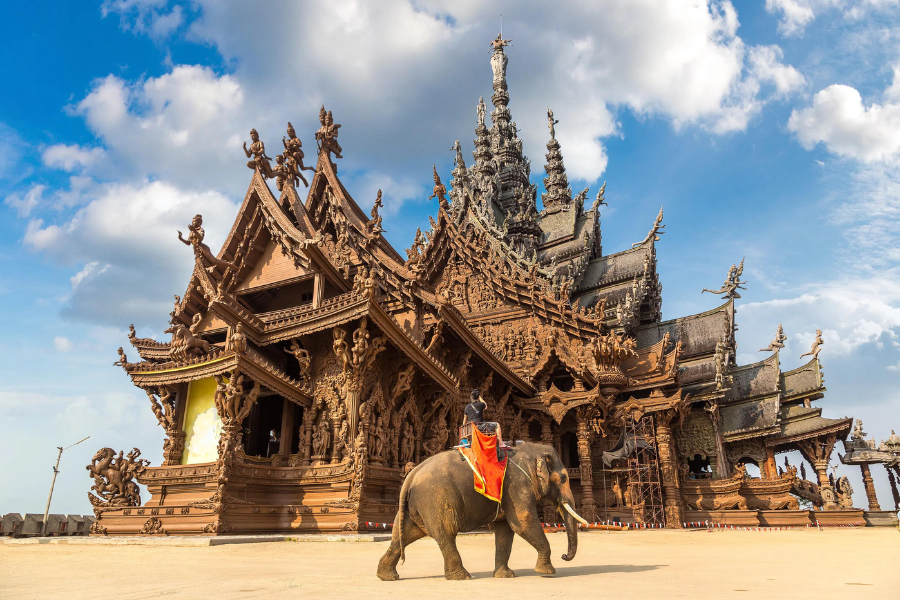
568 514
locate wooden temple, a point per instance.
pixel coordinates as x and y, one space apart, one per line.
311 364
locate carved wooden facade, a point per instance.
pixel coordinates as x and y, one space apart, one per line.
310 363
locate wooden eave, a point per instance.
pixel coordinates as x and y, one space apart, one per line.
250 363
403 342
840 427
457 323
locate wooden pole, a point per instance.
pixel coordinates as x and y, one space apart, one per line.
53 484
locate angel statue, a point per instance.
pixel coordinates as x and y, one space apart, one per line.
732 283
778 343
816 346
551 122
195 239
257 153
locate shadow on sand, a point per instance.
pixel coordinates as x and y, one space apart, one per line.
561 571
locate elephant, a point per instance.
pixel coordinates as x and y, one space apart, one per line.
438 499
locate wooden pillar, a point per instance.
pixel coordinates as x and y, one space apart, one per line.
583 433
893 481
287 420
306 440
721 465
665 446
318 290
771 469
870 487
546 432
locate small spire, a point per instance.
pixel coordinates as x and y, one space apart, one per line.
556 183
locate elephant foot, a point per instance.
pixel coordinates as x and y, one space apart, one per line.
504 571
388 575
545 569
458 575
387 569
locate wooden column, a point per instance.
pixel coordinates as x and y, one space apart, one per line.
287 420
318 290
893 481
771 469
817 451
722 469
665 446
870 487
583 433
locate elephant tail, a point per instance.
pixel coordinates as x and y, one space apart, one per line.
401 515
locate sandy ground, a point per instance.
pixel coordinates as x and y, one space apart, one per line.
858 563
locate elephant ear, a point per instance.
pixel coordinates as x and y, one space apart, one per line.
543 476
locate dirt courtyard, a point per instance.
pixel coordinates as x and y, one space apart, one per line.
857 563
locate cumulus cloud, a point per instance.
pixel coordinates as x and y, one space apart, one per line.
839 119
423 65
71 157
125 241
23 205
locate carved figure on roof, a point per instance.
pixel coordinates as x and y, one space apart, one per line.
236 340
858 433
439 191
481 110
601 198
778 343
732 283
327 134
184 343
656 231
131 332
551 123
498 43
195 323
373 226
257 153
816 346
284 173
123 360
293 152
201 250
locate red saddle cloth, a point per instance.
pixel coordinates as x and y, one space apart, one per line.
488 471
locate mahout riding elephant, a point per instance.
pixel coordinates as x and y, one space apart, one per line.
438 499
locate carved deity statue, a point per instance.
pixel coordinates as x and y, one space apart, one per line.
439 191
481 110
551 122
293 154
778 343
732 283
123 360
114 477
201 250
327 134
816 346
407 446
373 225
302 356
499 59
321 438
237 339
257 153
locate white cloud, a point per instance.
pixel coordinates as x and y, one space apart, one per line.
125 239
62 344
70 158
795 15
422 67
24 205
839 119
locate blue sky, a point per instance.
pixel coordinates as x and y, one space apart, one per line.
770 131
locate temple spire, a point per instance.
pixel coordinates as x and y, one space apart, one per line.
556 183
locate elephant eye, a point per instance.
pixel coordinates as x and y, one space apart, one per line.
564 477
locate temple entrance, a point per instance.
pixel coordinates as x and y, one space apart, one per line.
262 429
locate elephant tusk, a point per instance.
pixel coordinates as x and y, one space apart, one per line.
574 514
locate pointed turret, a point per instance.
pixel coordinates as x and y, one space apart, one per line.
556 183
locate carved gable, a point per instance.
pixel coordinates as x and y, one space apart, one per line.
272 267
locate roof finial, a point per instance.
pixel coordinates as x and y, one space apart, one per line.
732 283
551 122
778 343
816 346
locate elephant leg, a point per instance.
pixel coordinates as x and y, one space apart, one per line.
503 538
387 566
533 533
453 567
